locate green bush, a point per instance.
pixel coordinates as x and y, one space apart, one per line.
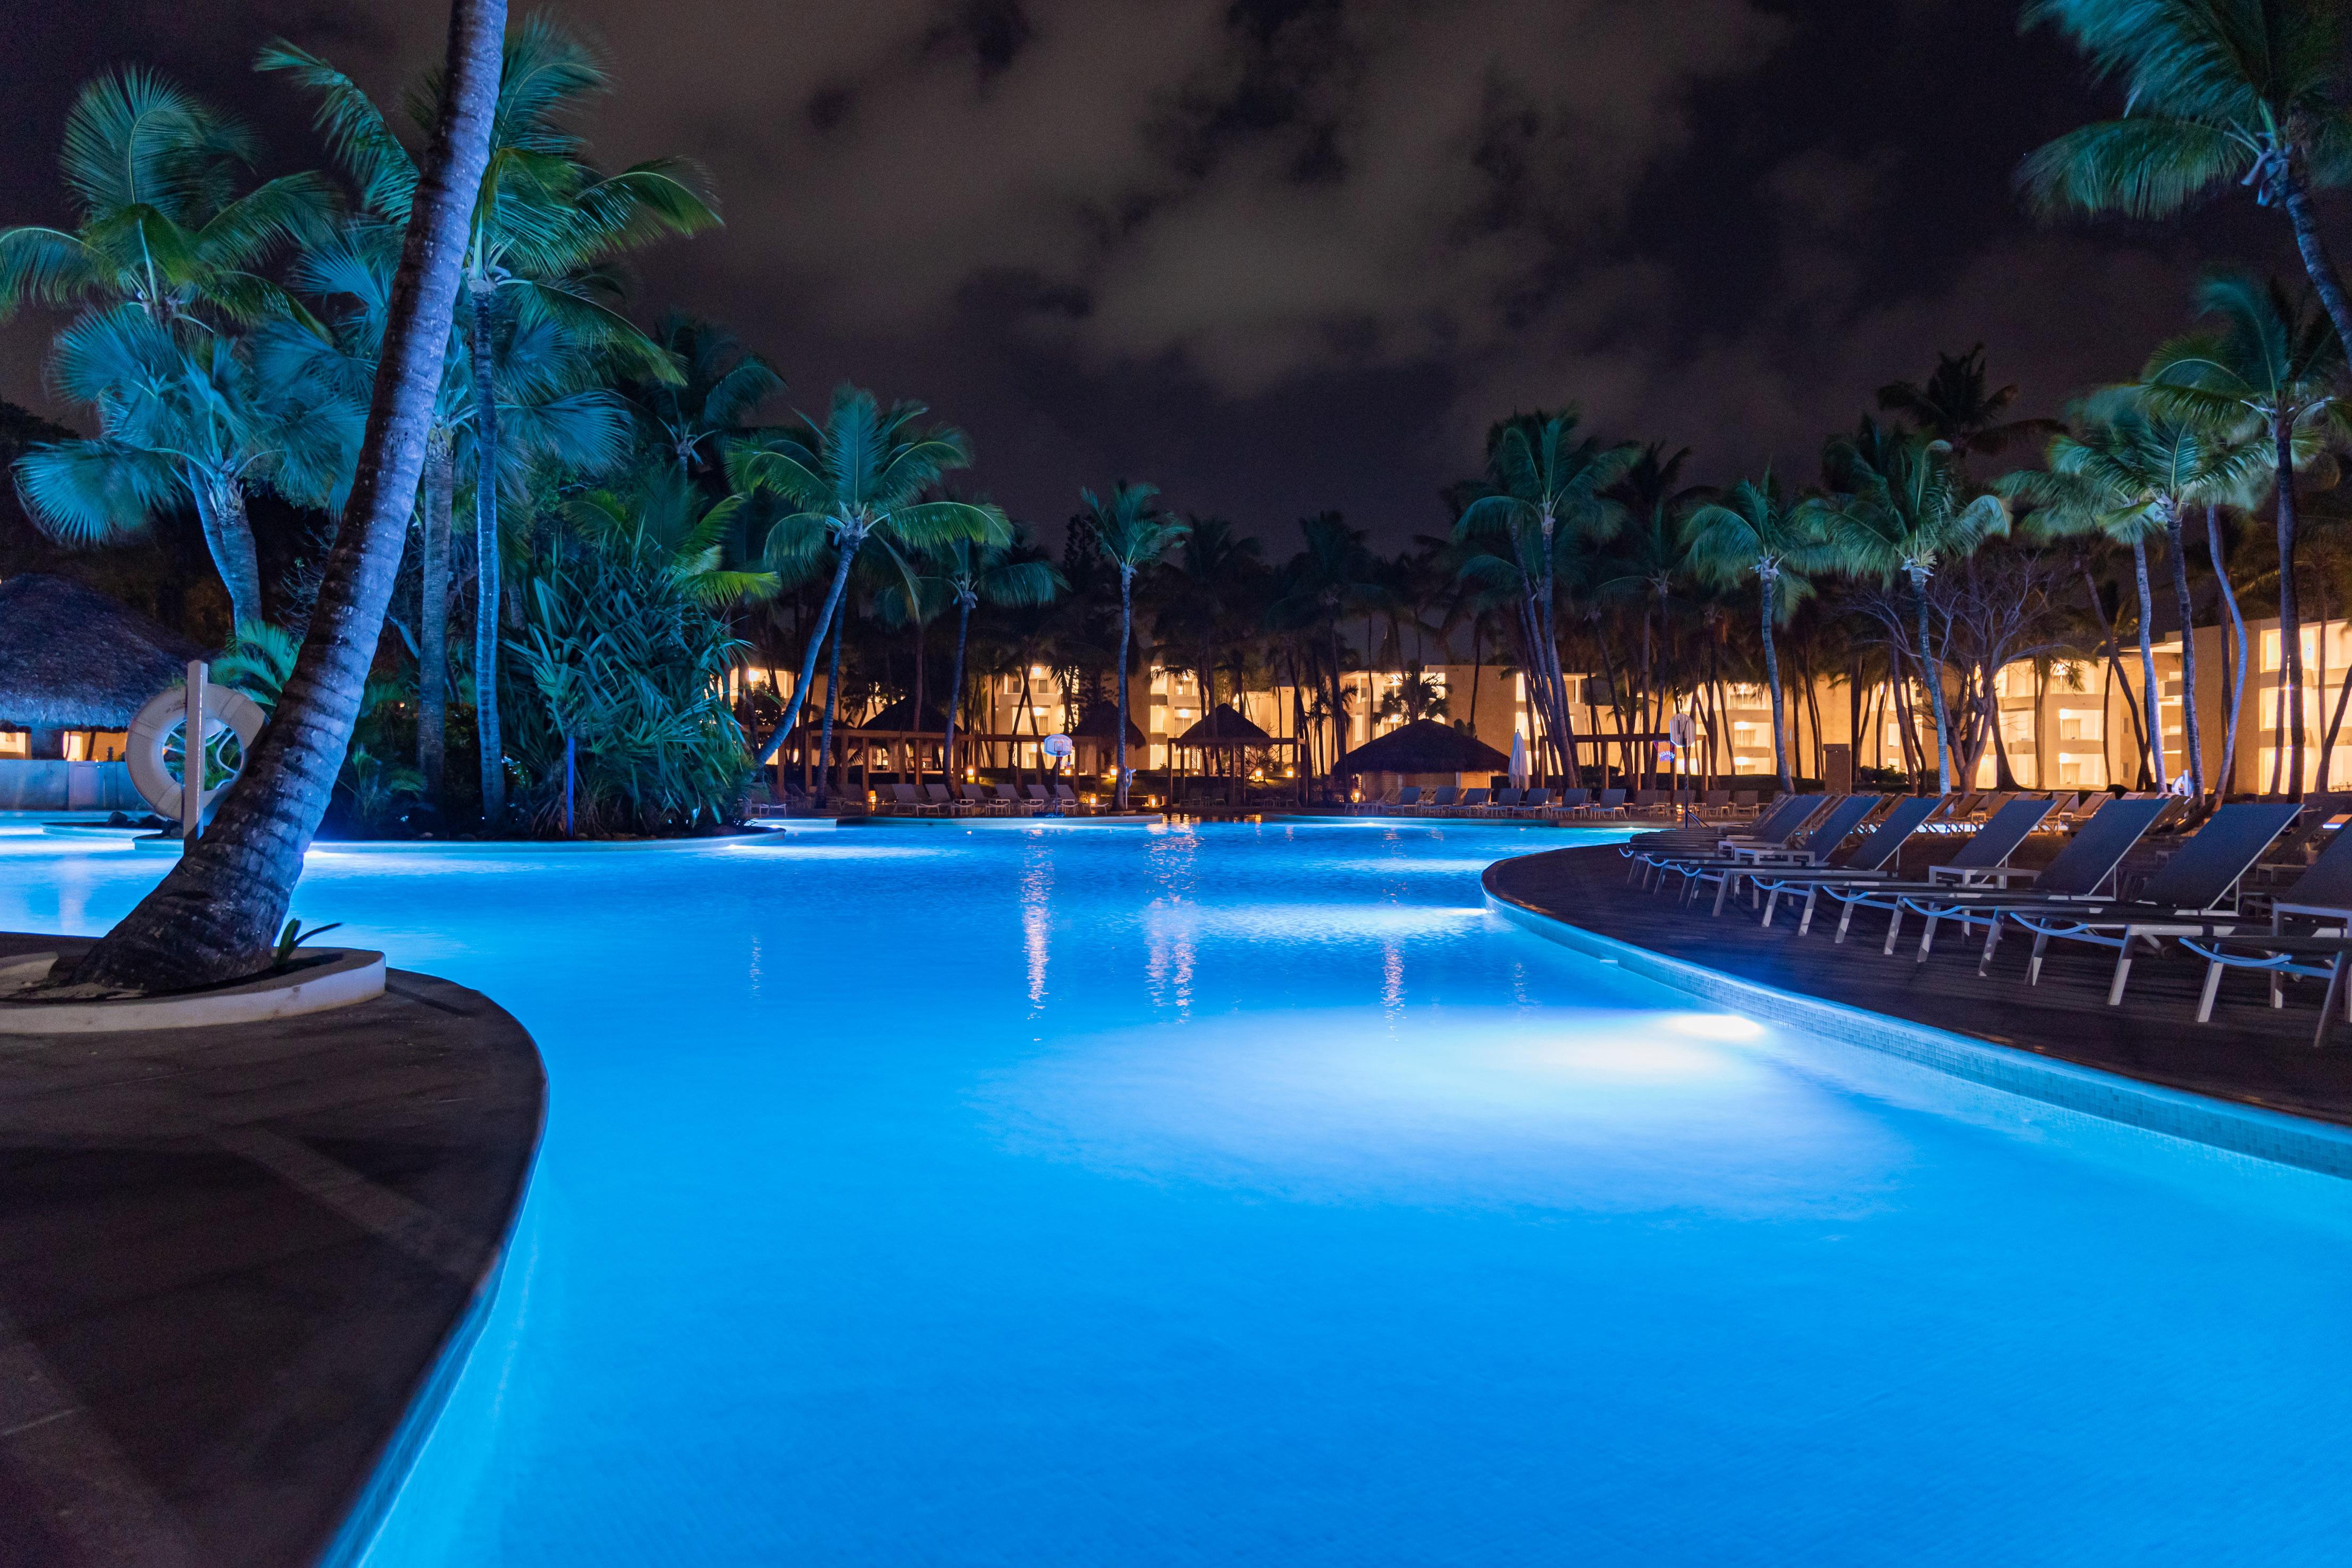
619 654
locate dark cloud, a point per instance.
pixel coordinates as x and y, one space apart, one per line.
1280 254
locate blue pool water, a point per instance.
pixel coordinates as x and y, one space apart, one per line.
1250 1196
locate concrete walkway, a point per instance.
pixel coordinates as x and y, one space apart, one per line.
231 1262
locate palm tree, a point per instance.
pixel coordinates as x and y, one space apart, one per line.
1009 575
1132 533
217 912
1204 588
1898 510
723 386
1649 561
1541 481
2129 470
2271 362
154 173
2216 92
1754 532
1330 578
545 226
183 419
861 475
1959 404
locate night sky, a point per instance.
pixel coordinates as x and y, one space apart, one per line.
1280 256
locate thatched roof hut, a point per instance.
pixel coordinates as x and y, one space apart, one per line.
71 658
1425 745
1223 729
1101 723
900 717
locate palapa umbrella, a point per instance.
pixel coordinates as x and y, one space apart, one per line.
1425 745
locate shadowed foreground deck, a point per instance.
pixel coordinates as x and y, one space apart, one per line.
2250 1052
231 1260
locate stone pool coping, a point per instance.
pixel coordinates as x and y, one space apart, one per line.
1013 824
241 1266
2243 1129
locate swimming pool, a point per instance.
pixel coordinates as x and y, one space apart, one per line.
1250 1195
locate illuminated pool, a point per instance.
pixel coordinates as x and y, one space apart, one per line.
1246 1194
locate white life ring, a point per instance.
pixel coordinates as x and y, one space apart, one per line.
167 711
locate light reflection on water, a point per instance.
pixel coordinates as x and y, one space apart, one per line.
1248 1194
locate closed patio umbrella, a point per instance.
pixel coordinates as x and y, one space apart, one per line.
1520 772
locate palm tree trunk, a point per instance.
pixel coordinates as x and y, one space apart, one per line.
832 706
1933 674
2238 624
2147 684
955 684
2289 614
1339 717
478 349
2191 738
433 620
2115 663
2316 262
1772 679
846 548
217 912
220 509
1125 629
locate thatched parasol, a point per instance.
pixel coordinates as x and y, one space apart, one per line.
1425 745
71 658
901 715
1225 730
1101 724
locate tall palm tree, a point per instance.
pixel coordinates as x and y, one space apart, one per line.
1900 510
1132 533
2270 362
1649 561
2215 92
1204 589
545 225
1541 482
1330 578
862 473
2130 470
723 386
159 223
217 912
1009 575
1959 404
1754 532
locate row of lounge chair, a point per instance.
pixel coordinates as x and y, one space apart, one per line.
2204 894
960 799
1537 804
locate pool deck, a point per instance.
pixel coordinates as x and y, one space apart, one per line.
2249 1054
239 1266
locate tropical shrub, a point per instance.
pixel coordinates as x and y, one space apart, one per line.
620 657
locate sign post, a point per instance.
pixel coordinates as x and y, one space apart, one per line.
192 755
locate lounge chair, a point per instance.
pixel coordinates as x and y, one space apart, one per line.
2320 902
1442 801
1040 802
945 803
1068 799
2086 868
1878 856
1681 855
1608 804
1570 803
1534 803
1743 803
1983 859
1472 803
2196 895
1503 802
1823 834
1715 805
1408 801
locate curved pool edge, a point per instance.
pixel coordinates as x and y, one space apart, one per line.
2250 1130
372 1505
